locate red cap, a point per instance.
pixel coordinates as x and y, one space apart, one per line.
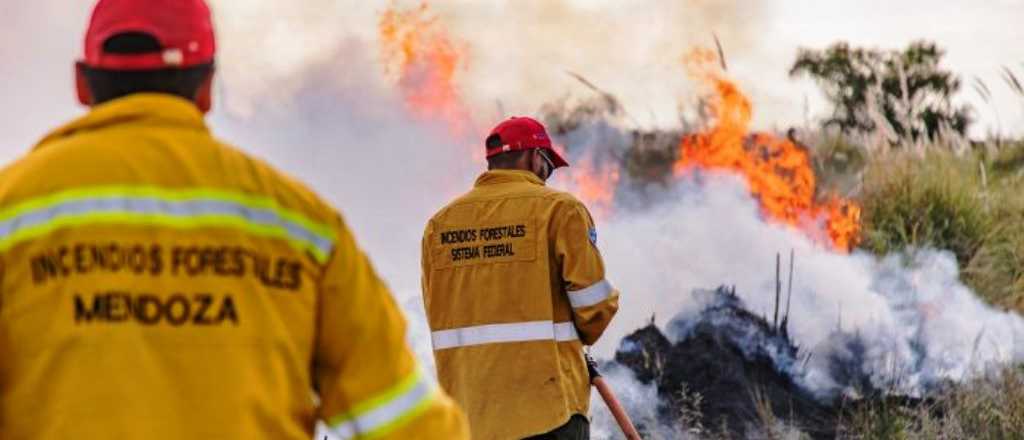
523 133
183 28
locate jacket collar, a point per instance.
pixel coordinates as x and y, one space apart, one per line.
154 107
495 177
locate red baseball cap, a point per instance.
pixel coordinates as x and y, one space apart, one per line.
183 28
523 133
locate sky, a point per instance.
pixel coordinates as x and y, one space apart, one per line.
519 52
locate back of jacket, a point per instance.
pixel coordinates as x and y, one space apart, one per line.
158 284
514 286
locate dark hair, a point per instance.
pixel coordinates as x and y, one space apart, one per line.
503 161
107 85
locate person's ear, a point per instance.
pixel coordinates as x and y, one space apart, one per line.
527 161
204 96
82 85
532 163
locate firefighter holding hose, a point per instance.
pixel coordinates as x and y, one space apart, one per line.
159 284
514 287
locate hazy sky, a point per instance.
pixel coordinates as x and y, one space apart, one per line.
518 51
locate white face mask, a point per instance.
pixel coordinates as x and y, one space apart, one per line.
546 165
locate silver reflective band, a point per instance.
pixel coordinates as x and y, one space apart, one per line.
500 333
386 416
589 296
566 331
182 210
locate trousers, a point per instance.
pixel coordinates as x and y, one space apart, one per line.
577 428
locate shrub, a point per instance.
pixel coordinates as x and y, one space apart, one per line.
934 201
971 205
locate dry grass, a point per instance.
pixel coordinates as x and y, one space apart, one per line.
933 201
988 408
970 203
991 407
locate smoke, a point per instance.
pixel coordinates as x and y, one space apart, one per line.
911 308
38 43
520 51
640 400
902 324
386 171
601 39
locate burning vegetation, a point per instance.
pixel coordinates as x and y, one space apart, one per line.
731 371
777 170
727 373
732 358
425 62
727 368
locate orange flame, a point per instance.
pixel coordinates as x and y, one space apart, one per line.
417 48
777 170
594 184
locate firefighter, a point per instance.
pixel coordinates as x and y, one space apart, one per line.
514 287
159 284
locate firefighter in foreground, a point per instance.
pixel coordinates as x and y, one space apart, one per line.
514 287
159 284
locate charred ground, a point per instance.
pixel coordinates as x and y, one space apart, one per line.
744 369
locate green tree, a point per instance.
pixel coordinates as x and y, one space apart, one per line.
905 94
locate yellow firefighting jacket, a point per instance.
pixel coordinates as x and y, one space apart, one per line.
514 287
158 284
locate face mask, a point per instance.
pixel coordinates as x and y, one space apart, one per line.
546 165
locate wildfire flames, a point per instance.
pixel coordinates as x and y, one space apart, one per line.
594 184
777 170
426 61
416 49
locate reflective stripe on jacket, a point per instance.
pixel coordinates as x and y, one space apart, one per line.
514 286
158 284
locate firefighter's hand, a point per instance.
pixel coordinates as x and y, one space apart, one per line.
591 367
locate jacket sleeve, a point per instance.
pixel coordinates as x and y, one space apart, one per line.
369 383
593 299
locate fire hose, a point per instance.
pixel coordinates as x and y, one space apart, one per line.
621 417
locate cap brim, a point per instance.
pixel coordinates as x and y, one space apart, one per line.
557 159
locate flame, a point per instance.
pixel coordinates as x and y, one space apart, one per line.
777 170
426 61
595 184
843 223
417 49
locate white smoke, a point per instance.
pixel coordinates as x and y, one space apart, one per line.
905 322
386 171
640 400
917 324
920 322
